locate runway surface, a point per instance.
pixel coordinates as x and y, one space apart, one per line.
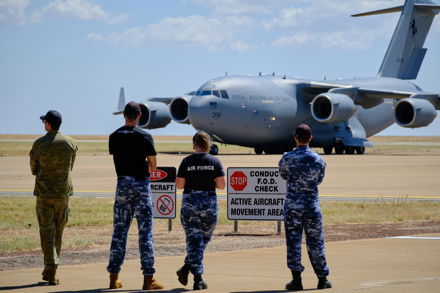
356 178
376 265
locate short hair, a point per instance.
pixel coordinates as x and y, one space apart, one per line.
132 110
303 133
202 140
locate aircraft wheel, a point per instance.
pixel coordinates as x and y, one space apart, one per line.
214 150
339 148
360 150
349 150
258 150
328 150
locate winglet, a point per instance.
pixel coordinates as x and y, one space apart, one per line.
121 102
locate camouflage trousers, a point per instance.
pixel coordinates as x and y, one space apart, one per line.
299 217
52 214
199 217
133 198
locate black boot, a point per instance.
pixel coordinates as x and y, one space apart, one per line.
199 284
296 283
182 274
323 283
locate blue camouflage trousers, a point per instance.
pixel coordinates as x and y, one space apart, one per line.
199 217
307 217
133 197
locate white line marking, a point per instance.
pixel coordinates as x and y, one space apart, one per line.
415 237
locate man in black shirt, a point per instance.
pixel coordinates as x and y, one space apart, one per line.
134 156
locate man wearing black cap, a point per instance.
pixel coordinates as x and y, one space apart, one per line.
52 158
134 156
303 170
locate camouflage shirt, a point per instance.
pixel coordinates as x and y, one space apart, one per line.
304 170
52 158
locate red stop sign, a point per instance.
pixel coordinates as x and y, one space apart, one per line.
238 180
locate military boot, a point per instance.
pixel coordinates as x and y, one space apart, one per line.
182 274
50 275
323 283
296 283
199 284
115 282
151 284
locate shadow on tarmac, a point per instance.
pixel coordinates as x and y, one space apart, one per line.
23 286
104 290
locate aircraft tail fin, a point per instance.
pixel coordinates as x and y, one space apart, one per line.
405 52
121 102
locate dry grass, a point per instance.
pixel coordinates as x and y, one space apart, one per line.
90 221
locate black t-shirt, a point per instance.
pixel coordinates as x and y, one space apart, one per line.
130 147
199 171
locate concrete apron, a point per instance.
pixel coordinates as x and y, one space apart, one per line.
374 265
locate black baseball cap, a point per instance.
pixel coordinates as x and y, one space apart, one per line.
132 109
303 132
53 117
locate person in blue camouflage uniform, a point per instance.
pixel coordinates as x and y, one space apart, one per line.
133 156
199 175
51 159
303 170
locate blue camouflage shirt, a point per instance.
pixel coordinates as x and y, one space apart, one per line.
304 170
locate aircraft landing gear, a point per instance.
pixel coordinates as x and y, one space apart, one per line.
213 150
328 150
258 150
360 150
339 148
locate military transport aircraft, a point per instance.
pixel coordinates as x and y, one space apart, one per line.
262 111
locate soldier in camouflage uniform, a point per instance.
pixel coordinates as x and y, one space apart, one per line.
52 158
133 155
199 175
303 170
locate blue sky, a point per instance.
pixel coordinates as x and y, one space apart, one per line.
74 55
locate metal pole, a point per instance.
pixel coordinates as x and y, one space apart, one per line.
170 225
235 226
279 227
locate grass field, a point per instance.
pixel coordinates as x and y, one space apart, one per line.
19 145
91 217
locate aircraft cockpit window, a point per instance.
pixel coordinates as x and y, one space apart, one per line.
206 93
224 94
216 93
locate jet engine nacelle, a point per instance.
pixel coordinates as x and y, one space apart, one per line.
154 115
414 113
179 109
332 107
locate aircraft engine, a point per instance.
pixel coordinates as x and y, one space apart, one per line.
332 107
414 113
154 115
179 109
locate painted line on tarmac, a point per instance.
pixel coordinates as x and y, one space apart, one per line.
415 237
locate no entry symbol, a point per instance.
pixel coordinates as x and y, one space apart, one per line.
165 205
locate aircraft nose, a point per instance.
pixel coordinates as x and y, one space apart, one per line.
200 110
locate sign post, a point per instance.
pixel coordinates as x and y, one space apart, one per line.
255 194
163 189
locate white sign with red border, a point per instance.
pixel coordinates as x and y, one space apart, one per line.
163 189
255 193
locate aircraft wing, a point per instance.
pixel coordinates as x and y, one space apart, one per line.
368 97
165 100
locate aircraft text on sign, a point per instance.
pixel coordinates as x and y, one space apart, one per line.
163 190
255 194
